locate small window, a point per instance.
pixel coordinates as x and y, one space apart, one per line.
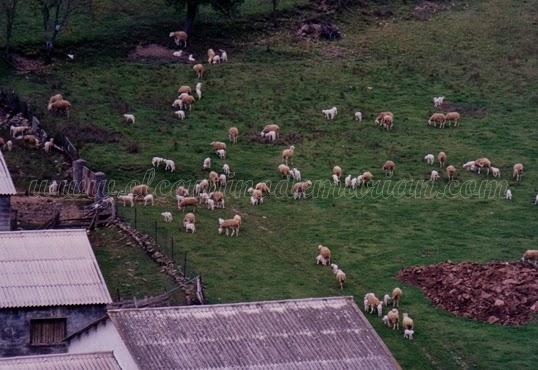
47 331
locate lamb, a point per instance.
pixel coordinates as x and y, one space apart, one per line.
296 174
230 224
300 188
156 161
202 186
218 145
483 163
256 196
385 320
178 53
441 157
437 118
149 199
211 204
199 90
319 258
393 319
16 130
222 180
31 139
347 181
189 218
140 190
355 182
330 114
184 89
169 165
269 128
184 202
508 194
517 171
438 101
60 106
191 227
496 172
340 275
213 178
396 296
233 133
530 255
284 170
383 118
199 70
434 176
226 169
365 178
325 252
336 180
180 114
207 164
407 322
216 59
191 59
129 118
53 188
218 198
389 167
9 145
263 187
469 166
337 170
221 153
270 137
180 38
187 101
429 158
386 299
210 55
374 303
453 117
167 217
48 145
223 55
408 334
450 171
129 198
288 153
358 116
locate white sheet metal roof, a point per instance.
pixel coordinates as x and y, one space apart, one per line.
302 334
86 361
6 184
49 268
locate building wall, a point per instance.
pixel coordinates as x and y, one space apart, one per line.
103 338
15 326
5 213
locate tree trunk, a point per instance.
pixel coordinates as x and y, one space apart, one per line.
192 11
273 14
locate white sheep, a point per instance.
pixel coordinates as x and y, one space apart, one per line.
156 161
434 176
199 90
207 164
48 145
336 179
469 166
167 217
222 179
320 260
129 118
178 53
429 158
221 153
149 199
216 59
340 275
438 101
408 334
495 171
223 55
330 114
169 165
385 320
386 299
178 103
190 226
366 305
9 145
180 114
211 204
355 182
15 130
226 169
296 174
508 194
347 181
358 116
536 200
191 58
53 188
255 201
129 198
269 136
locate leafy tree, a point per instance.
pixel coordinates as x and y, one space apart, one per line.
55 16
8 9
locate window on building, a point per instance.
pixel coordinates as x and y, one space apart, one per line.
47 331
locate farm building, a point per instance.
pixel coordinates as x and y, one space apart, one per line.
7 189
50 287
85 361
311 333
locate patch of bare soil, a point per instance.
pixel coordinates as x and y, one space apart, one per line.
283 139
425 10
466 110
319 30
92 134
27 65
157 52
39 210
498 293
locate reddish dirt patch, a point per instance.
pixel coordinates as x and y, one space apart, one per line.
283 139
157 52
38 210
466 110
27 65
498 293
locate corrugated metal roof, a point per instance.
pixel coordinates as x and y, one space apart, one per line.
316 333
6 184
86 361
49 268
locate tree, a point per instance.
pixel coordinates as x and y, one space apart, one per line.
8 8
226 7
55 15
273 13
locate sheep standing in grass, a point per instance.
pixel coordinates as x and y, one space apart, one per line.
129 198
256 196
284 170
140 190
169 165
60 106
389 167
180 38
347 181
149 199
441 157
325 254
437 118
483 163
233 133
199 70
496 172
230 224
508 194
331 113
216 145
408 334
396 296
14 131
222 180
434 176
438 101
429 158
300 188
365 178
383 118
358 116
226 169
184 202
340 275
216 59
180 114
218 198
288 153
453 117
187 102
407 322
517 171
296 174
270 128
394 319
451 171
210 55
199 90
167 217
206 165
213 179
223 55
53 188
221 153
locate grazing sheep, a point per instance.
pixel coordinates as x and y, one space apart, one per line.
469 166
441 157
270 137
358 116
199 70
199 90
434 176
483 163
178 53
177 103
530 255
256 196
263 187
496 172
508 194
389 167
226 169
429 158
222 180
223 55
187 101
216 59
180 114
156 161
385 320
191 59
211 204
48 145
296 174
60 106
288 153
319 258
129 198
149 199
355 182
325 252
517 171
230 224
396 296
190 227
365 178
438 101
53 188
385 119
218 145
129 118
218 198
340 275
337 170
201 187
330 114
16 130
300 188
55 98
453 117
347 181
180 38
210 55
336 180
437 118
221 153
233 133
167 217
408 334
184 202
169 165
284 170
269 128
184 89
31 140
394 319
213 178
450 171
207 164
407 322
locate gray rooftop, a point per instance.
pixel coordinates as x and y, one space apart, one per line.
86 361
6 184
316 333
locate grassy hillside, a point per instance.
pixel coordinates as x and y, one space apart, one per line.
482 57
